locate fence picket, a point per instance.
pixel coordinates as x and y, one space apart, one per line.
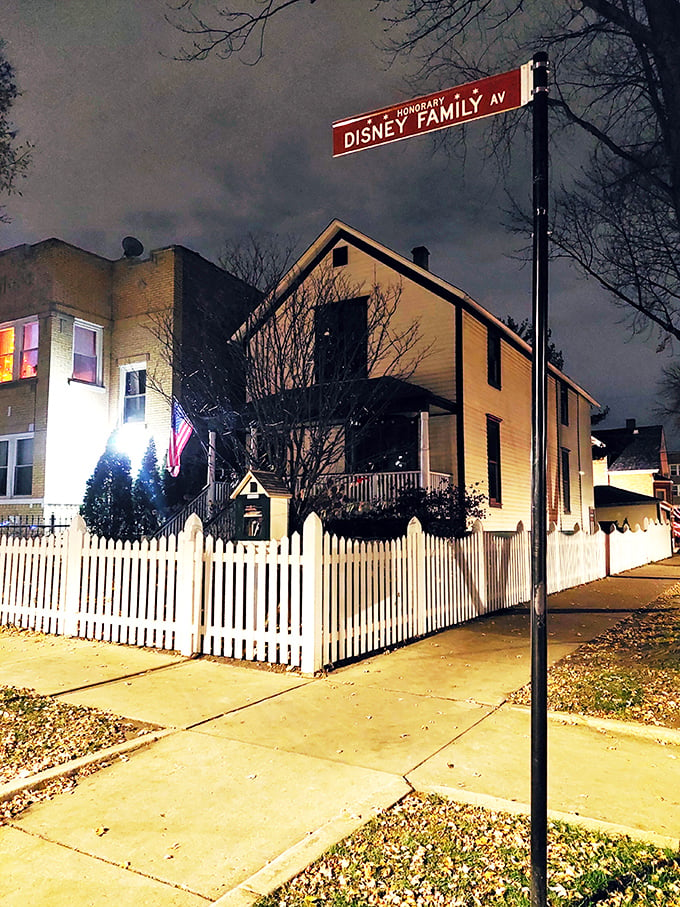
246 601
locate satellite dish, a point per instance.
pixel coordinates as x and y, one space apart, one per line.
132 247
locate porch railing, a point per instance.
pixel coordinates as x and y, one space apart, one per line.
369 488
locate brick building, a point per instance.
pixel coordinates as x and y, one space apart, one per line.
76 349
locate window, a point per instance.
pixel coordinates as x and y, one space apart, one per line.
4 467
7 354
340 256
341 341
566 480
493 357
676 491
675 469
133 383
19 350
87 352
493 456
564 404
23 467
16 466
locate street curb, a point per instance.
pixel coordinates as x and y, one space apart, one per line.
665 735
497 804
297 858
657 733
33 782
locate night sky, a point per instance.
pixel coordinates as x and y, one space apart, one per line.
129 140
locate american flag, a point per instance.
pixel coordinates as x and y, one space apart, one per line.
180 432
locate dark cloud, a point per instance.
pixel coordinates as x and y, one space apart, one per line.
129 140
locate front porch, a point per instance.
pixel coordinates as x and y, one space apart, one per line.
380 487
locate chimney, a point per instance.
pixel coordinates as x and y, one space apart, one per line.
421 257
630 425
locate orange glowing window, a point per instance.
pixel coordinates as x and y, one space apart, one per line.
7 354
29 351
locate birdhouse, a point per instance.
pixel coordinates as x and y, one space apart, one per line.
260 507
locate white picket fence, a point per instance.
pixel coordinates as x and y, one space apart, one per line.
307 601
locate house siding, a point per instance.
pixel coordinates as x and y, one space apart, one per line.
462 437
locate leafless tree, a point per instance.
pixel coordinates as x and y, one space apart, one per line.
14 158
317 361
616 91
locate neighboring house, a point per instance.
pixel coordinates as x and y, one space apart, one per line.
465 412
634 458
76 351
619 507
674 473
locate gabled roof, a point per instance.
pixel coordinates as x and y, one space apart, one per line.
337 231
269 483
633 449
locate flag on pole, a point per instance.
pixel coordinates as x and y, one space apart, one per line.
180 432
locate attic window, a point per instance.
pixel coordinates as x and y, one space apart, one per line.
253 487
340 256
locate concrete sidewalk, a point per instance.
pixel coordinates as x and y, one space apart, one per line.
262 771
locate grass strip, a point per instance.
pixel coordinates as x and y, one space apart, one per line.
427 851
37 732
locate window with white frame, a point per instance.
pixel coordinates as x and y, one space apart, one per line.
87 352
19 350
16 466
133 388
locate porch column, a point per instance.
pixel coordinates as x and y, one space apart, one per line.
212 450
424 449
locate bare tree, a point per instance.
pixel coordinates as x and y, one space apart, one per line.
14 158
525 330
616 90
307 377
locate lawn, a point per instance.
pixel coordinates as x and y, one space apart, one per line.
428 851
631 672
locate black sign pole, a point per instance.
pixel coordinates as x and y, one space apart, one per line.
539 498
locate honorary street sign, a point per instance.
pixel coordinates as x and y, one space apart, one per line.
439 110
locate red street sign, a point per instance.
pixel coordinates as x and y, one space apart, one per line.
451 107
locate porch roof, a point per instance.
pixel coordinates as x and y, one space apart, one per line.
386 395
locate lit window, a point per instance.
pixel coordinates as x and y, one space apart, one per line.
16 466
133 382
7 354
18 350
29 351
86 353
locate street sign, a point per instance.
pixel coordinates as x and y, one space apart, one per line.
440 110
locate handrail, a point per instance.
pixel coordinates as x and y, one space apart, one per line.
200 505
